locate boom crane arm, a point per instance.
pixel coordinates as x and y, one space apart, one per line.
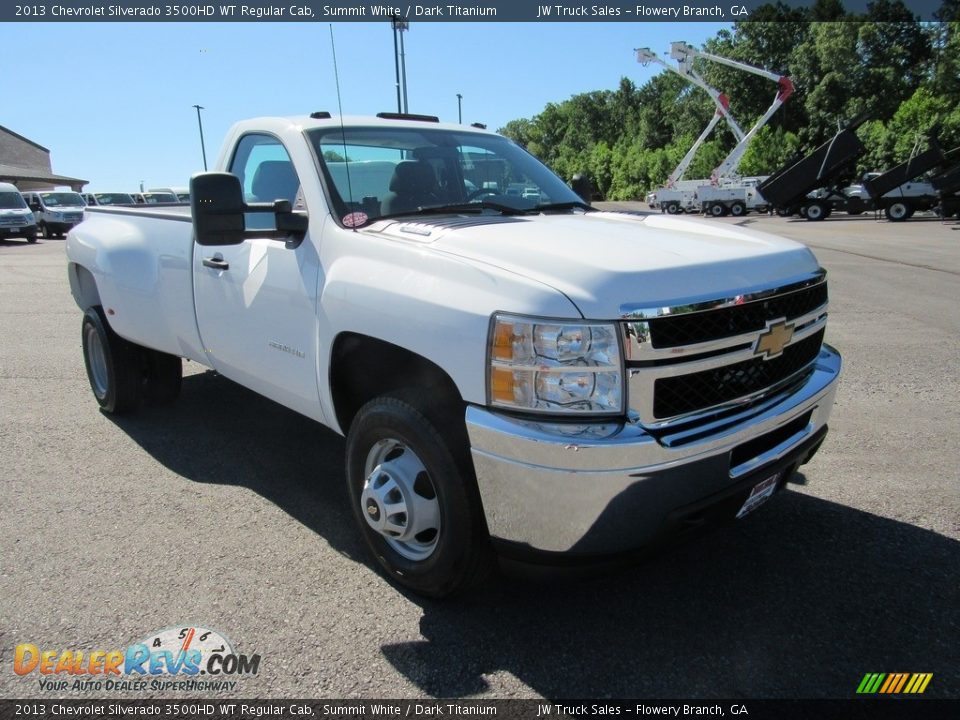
682 166
646 56
684 54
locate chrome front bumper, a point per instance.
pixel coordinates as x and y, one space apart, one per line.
606 488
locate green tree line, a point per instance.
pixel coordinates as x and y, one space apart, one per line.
902 73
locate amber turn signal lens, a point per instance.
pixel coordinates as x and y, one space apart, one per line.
503 341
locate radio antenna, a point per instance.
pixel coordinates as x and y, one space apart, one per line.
343 132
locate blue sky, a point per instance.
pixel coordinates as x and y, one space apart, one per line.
113 102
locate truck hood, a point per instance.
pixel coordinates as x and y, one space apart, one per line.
603 261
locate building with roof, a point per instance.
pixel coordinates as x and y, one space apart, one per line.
27 165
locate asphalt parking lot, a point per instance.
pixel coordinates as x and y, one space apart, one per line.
228 511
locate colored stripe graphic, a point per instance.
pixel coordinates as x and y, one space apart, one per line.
870 683
894 683
903 679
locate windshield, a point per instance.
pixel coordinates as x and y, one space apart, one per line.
387 171
11 201
114 198
58 199
154 198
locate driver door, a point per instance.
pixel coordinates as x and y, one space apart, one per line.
256 302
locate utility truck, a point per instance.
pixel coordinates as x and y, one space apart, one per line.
726 192
522 376
679 195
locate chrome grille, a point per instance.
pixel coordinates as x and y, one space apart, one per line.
684 394
691 361
668 332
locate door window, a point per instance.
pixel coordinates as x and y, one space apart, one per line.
266 174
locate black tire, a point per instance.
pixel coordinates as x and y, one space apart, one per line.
673 209
460 556
717 210
164 377
45 231
31 239
897 211
114 366
738 209
816 211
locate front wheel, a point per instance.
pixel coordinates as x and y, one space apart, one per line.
31 239
414 497
738 209
897 212
816 211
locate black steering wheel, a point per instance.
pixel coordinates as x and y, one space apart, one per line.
480 191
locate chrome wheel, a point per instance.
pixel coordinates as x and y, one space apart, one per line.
399 500
97 359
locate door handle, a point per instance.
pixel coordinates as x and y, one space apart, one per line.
217 263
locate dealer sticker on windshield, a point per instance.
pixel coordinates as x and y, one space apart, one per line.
760 494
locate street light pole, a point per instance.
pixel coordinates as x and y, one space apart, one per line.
460 108
404 25
203 147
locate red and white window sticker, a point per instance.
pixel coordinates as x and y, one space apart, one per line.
354 219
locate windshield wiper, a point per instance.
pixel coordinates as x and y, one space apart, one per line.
461 207
568 205
470 207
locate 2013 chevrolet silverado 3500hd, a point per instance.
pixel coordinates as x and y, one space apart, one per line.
514 373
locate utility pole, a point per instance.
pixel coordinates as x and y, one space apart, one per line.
396 58
203 146
460 108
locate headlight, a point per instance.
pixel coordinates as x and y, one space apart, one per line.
555 367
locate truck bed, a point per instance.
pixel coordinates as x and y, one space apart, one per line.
821 167
142 258
904 172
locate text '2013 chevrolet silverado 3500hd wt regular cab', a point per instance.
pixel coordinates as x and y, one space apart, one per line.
519 374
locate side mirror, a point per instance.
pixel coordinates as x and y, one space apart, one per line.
583 187
216 203
219 212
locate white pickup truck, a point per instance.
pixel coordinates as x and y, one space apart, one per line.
514 375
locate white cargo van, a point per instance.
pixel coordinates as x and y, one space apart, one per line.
16 220
56 210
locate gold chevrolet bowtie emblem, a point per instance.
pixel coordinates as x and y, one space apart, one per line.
772 340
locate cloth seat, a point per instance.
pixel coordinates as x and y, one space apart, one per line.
413 185
275 180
